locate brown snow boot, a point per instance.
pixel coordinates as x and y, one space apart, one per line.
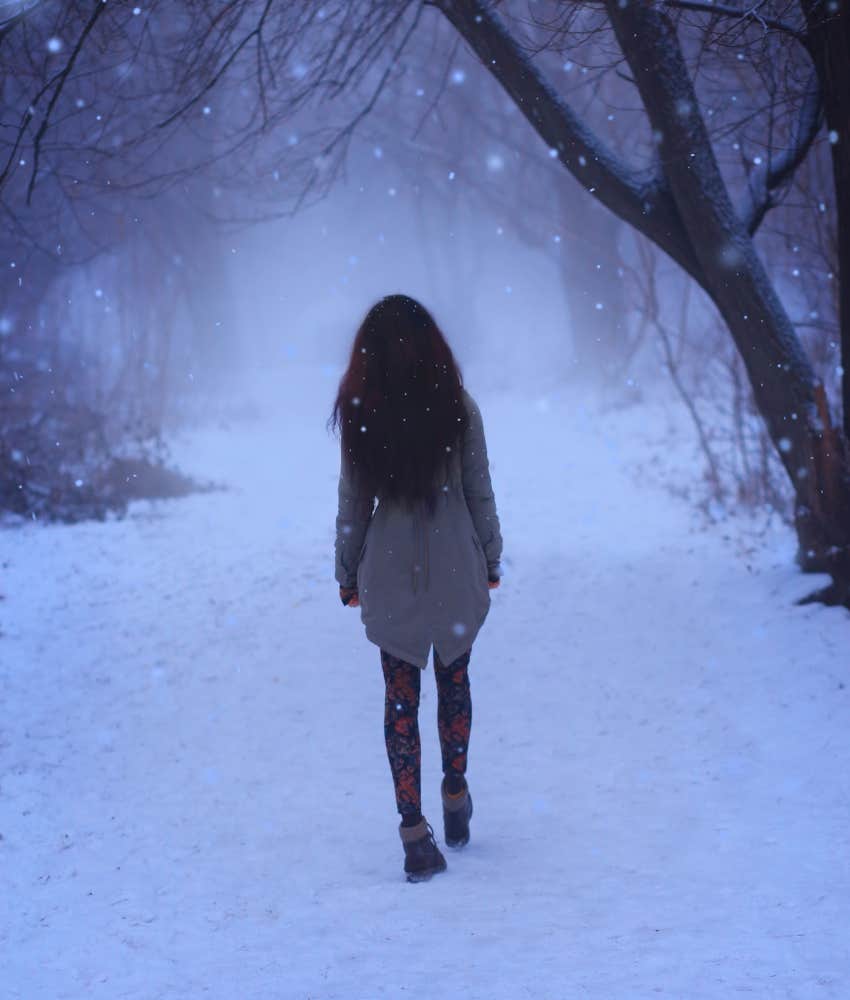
457 812
422 857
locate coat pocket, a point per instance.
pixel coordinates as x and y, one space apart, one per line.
477 543
359 572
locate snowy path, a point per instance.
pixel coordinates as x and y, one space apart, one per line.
195 801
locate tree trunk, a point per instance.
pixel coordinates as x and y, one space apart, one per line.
829 45
787 391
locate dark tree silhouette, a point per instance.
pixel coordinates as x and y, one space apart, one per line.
686 208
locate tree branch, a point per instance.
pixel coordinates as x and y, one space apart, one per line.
9 25
765 180
646 205
57 91
750 14
255 32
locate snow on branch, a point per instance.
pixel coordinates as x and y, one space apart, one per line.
646 205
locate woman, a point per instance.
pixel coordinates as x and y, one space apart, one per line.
420 565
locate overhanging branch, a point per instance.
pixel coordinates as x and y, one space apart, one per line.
646 205
779 169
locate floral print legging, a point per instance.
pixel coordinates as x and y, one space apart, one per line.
401 722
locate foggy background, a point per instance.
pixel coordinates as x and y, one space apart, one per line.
195 198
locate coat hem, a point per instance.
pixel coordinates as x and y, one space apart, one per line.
418 661
467 644
402 654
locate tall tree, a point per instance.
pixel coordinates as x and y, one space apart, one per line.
686 209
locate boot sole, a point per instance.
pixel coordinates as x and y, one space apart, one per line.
426 873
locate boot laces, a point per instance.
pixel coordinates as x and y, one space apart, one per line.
430 841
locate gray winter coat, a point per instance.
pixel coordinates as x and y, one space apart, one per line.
422 579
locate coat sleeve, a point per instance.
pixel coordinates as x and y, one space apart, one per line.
478 490
354 512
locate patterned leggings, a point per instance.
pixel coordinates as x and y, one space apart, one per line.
401 723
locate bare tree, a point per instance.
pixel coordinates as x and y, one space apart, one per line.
686 208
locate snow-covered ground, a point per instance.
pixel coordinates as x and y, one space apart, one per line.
195 801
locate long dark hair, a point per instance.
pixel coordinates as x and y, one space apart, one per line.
399 404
